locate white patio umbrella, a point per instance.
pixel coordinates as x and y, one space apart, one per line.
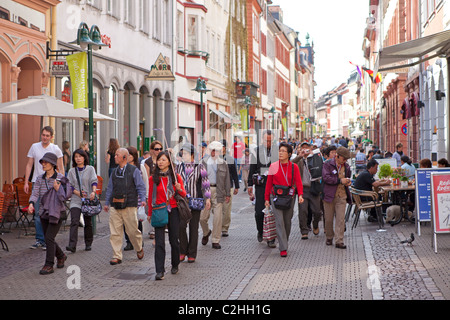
46 106
357 132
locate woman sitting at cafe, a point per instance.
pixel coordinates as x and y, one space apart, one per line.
408 167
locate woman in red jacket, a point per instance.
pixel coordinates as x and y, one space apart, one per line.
280 174
163 178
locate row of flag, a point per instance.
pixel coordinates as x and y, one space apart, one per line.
375 79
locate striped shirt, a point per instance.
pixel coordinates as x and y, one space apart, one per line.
191 173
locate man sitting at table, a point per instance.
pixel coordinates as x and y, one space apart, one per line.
365 181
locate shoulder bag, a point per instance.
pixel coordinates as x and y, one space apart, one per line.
183 208
198 203
89 207
160 213
283 195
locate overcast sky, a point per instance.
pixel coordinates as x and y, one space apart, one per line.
336 28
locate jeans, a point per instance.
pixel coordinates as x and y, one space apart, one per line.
53 249
37 222
174 240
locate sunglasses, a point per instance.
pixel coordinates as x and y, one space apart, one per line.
158 149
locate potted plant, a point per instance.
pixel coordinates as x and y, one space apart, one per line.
404 181
385 171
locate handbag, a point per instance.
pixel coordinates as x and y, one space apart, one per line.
89 207
283 196
183 209
269 228
197 204
160 215
160 212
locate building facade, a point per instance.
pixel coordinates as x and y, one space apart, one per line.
25 27
137 32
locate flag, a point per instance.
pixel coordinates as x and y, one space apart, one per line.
377 79
361 76
77 64
244 119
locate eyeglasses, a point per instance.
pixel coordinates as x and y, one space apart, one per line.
158 149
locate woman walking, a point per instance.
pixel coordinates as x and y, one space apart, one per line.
283 174
83 179
110 155
196 182
150 165
53 188
166 184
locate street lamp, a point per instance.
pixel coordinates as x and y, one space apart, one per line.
90 39
272 111
201 88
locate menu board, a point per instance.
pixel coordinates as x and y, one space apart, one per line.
423 191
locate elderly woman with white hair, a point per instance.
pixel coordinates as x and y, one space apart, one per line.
219 179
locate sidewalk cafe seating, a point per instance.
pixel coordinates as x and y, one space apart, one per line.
374 202
2 205
22 200
7 210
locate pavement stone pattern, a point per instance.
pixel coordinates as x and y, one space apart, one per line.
375 266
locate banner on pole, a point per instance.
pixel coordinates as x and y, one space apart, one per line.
78 77
244 119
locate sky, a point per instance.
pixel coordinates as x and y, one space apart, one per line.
336 28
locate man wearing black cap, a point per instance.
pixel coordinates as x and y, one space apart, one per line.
259 168
312 199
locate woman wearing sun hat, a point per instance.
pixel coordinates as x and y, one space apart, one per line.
53 188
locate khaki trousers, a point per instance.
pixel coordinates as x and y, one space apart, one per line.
117 220
335 212
226 215
217 209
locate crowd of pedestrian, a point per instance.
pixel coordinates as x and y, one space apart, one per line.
314 173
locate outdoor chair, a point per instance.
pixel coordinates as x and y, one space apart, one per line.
7 210
374 202
2 205
22 204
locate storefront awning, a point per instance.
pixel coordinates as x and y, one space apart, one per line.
227 118
397 56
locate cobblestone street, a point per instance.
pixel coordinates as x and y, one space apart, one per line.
375 266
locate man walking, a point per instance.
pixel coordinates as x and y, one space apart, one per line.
35 154
126 190
311 198
259 168
234 180
219 178
336 175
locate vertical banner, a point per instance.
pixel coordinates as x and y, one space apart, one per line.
244 119
284 123
78 76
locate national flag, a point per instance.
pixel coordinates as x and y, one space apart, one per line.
377 79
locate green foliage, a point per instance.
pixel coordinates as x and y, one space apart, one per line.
385 171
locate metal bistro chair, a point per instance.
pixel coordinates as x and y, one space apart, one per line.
22 204
8 204
366 205
2 205
99 191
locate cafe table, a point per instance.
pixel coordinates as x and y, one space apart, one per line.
400 196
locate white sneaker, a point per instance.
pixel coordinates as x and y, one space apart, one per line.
38 245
